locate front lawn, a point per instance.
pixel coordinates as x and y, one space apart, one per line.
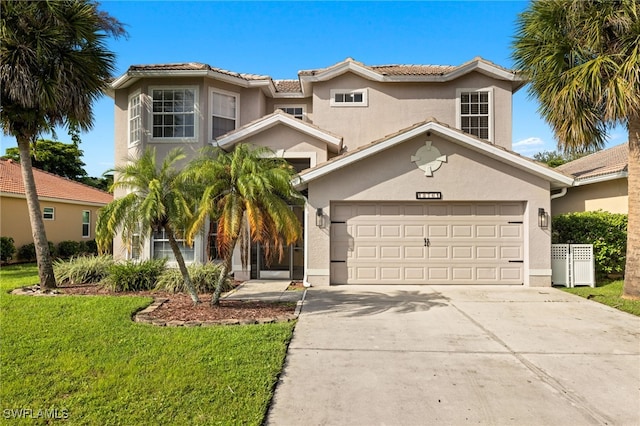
608 294
82 357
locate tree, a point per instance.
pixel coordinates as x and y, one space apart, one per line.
555 158
582 59
53 64
249 192
157 199
54 157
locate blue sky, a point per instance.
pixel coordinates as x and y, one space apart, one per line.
280 38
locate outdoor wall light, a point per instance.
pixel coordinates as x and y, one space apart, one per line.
319 217
543 219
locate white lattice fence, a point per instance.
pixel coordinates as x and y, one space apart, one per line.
572 265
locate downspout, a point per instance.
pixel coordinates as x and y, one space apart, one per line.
305 282
562 193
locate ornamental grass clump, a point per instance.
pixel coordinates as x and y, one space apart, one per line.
203 276
134 276
83 269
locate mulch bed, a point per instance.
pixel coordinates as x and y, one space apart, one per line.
179 306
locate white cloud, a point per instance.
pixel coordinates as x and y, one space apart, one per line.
528 143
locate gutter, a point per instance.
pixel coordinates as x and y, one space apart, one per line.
562 193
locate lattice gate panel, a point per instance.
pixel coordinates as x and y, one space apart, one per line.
572 265
560 265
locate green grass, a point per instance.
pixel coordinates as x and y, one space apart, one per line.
608 294
83 356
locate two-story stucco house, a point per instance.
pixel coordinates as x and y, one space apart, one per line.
407 169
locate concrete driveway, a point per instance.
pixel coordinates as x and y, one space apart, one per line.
453 355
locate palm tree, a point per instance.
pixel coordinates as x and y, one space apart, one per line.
158 198
53 64
582 59
249 192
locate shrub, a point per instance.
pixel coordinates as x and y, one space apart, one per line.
204 278
68 248
83 269
89 247
7 248
606 231
134 276
28 251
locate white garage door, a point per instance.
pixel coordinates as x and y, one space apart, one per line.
427 243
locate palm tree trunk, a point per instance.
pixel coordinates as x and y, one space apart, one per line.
226 266
43 256
631 289
183 268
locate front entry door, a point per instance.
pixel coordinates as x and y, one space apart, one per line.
290 266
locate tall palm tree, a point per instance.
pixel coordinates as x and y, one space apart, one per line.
53 64
249 192
158 198
582 59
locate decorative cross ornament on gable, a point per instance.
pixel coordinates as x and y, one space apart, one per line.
428 158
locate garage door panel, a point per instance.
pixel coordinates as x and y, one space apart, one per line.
468 243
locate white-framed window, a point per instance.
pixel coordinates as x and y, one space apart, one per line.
347 98
135 119
49 213
298 111
173 112
224 112
162 249
474 112
86 223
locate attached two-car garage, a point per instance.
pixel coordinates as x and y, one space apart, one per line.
429 242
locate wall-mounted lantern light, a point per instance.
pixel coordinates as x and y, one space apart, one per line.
543 219
319 217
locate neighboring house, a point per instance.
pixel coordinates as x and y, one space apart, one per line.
600 183
69 208
407 169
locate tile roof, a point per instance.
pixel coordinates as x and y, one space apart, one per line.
608 161
196 66
287 86
49 185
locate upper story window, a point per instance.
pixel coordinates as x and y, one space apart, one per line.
173 112
135 119
474 117
224 112
349 97
296 110
49 213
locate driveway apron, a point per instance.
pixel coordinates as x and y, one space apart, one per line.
453 355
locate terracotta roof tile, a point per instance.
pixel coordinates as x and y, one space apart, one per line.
608 161
412 69
49 185
195 66
288 86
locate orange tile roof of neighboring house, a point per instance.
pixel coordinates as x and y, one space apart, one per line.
49 185
608 161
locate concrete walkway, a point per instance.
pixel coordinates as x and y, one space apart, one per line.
264 290
453 355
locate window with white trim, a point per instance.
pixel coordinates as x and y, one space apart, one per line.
298 111
86 223
349 97
475 113
49 213
162 249
174 113
224 112
135 119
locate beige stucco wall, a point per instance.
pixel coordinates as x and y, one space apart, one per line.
291 143
67 223
395 106
467 176
610 196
